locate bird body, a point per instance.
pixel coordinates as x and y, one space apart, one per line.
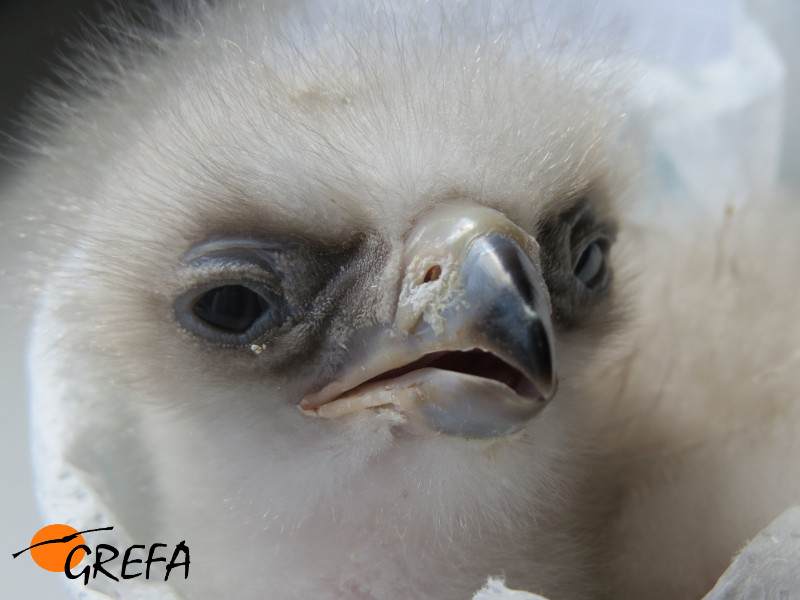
279 232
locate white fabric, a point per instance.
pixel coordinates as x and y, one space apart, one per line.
768 567
712 131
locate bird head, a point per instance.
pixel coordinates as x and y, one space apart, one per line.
320 310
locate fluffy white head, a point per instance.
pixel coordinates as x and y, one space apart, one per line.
335 131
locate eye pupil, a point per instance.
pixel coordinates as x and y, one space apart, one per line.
232 308
590 268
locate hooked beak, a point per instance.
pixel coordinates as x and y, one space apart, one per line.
470 352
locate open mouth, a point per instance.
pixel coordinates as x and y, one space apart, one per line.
478 363
380 390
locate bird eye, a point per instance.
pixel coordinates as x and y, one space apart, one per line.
231 308
233 313
590 269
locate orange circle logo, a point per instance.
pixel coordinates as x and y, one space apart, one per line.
61 539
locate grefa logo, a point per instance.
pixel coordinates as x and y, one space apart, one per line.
62 548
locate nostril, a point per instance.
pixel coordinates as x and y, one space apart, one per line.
432 274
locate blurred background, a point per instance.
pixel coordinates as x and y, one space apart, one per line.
32 34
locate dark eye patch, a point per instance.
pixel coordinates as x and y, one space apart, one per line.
574 254
240 290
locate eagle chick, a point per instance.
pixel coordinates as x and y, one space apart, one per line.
349 298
